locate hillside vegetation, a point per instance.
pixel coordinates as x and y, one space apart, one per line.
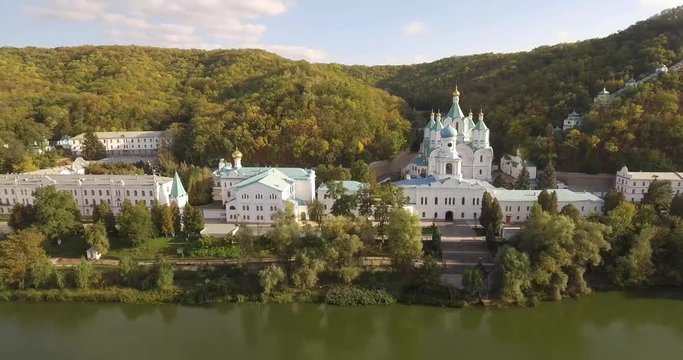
283 112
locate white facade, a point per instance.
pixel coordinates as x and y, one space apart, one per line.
445 198
634 184
573 120
255 194
122 143
517 204
89 190
455 145
512 166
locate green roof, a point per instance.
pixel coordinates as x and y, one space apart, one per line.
481 125
177 189
563 195
272 178
455 112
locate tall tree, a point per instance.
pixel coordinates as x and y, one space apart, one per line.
523 181
361 172
21 217
344 205
612 199
659 195
485 216
135 223
177 219
286 232
548 179
96 236
156 212
552 208
166 221
677 206
500 182
544 200
103 213
436 242
315 211
512 275
404 234
57 214
19 252
193 222
496 215
93 149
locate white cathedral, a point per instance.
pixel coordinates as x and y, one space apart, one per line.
454 146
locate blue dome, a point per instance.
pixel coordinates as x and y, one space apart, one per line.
448 132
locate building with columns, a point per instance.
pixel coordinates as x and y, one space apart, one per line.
255 194
91 190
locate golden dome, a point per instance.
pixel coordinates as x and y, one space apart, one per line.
456 92
236 154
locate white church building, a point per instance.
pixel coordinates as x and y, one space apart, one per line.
448 178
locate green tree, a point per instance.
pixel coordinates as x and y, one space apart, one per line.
19 252
472 282
156 212
404 236
342 247
326 173
490 239
544 201
21 217
500 182
659 194
436 241
84 274
548 179
552 208
163 273
135 223
167 224
571 212
361 172
271 278
102 213
177 219
523 181
286 232
512 275
636 267
496 215
57 214
96 236
344 205
677 206
612 199
129 271
485 216
315 211
41 273
193 222
246 241
93 149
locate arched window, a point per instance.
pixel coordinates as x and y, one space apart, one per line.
449 169
463 200
481 158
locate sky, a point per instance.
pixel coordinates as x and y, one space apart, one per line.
344 31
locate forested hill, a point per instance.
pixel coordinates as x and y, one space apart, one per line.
522 93
277 111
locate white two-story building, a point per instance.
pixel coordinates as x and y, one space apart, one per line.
517 204
122 143
255 194
91 190
634 184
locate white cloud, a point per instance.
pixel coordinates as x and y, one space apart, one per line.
565 36
415 28
294 52
662 3
200 24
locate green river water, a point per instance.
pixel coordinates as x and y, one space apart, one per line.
601 326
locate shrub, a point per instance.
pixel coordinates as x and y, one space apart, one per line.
84 275
270 278
351 295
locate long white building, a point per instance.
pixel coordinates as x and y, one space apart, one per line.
91 190
122 143
255 194
634 184
517 204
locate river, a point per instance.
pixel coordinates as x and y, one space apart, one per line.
602 326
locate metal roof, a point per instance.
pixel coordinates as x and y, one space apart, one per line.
124 134
350 186
563 195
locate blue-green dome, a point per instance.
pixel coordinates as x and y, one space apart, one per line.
448 132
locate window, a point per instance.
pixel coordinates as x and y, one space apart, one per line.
92 192
474 201
135 193
480 172
127 192
424 215
107 192
143 192
462 215
436 201
481 159
519 208
463 200
436 215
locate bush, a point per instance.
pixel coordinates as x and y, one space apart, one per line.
270 278
222 251
351 295
84 275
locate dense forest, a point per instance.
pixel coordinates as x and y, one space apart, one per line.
284 112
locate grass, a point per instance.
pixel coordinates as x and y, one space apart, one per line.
71 247
149 250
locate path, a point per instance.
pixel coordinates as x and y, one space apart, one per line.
462 248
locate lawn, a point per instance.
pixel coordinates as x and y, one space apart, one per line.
149 250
